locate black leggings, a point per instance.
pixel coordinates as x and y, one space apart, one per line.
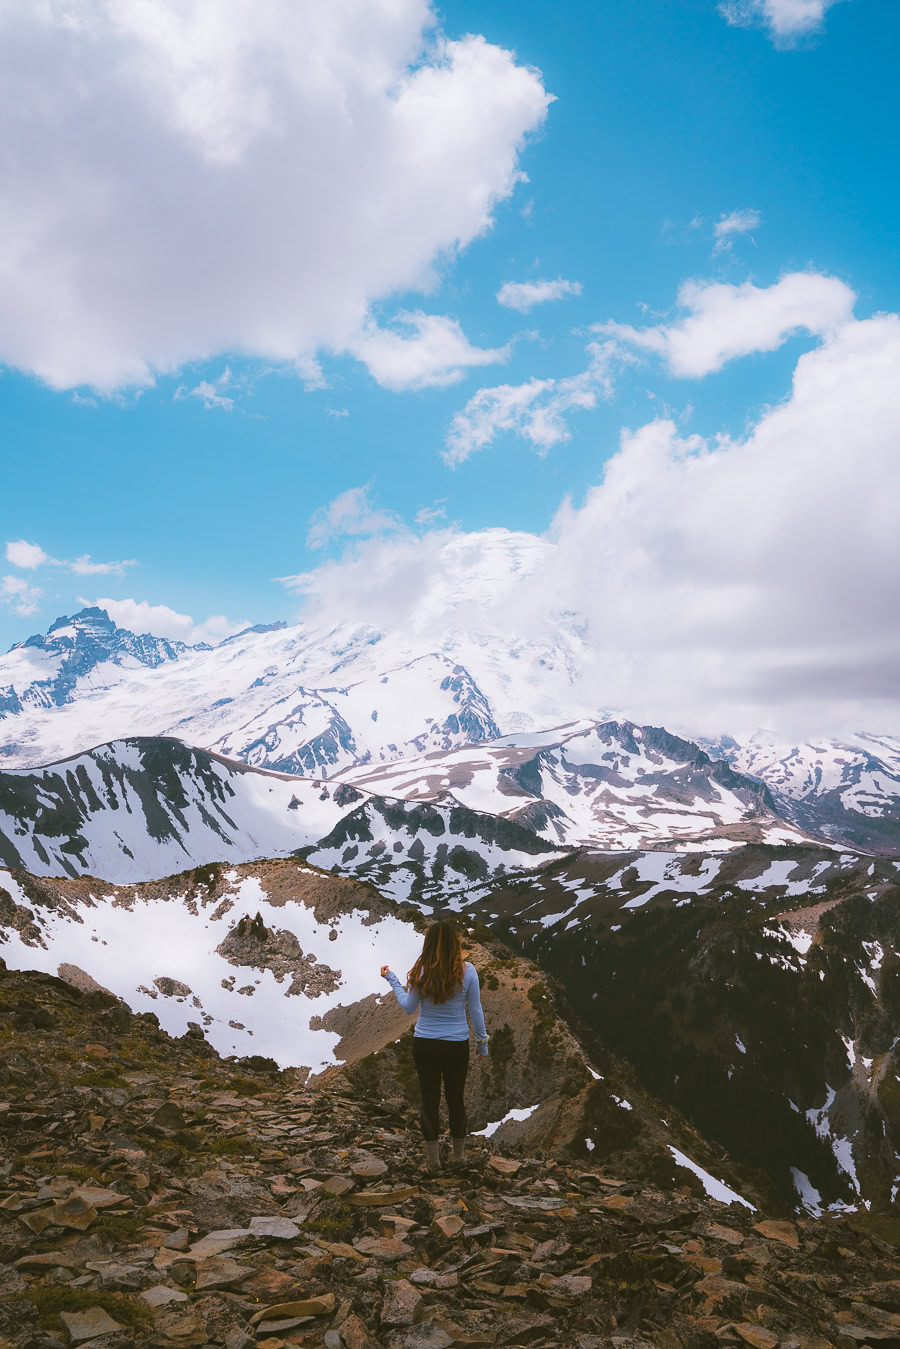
434 1060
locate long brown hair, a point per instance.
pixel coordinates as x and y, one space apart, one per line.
438 972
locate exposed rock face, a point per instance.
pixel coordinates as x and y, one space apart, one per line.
172 988
251 943
165 1197
79 979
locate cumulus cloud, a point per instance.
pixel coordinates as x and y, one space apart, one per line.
159 620
184 179
351 514
738 222
524 295
26 555
535 410
19 595
724 321
711 585
420 351
785 19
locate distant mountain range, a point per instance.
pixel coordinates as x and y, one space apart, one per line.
353 702
143 809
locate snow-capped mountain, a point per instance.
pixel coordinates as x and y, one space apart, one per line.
320 700
321 732
849 792
141 809
46 670
310 698
609 785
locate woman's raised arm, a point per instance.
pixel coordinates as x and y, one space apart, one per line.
408 1001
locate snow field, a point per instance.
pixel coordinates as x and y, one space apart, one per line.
126 947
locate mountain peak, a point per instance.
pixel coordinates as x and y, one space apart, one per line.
89 615
74 646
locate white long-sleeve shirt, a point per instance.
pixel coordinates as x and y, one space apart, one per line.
445 1020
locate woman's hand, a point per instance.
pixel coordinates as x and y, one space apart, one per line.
384 971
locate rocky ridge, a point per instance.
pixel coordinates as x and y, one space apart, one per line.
757 990
145 808
155 1195
612 785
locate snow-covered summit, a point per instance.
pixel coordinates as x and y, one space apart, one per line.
312 697
46 670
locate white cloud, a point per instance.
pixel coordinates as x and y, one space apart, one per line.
420 351
714 585
429 515
535 410
19 595
210 392
86 566
26 555
184 179
158 619
738 222
724 321
349 515
523 295
30 556
785 19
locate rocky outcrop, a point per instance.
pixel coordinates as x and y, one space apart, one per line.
251 943
154 1195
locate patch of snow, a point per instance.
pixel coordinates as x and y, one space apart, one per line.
819 1118
490 1129
800 940
716 1189
809 1195
663 871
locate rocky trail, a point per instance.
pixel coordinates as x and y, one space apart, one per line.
154 1194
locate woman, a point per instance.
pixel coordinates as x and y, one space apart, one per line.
441 985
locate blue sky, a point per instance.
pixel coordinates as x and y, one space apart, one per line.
667 120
